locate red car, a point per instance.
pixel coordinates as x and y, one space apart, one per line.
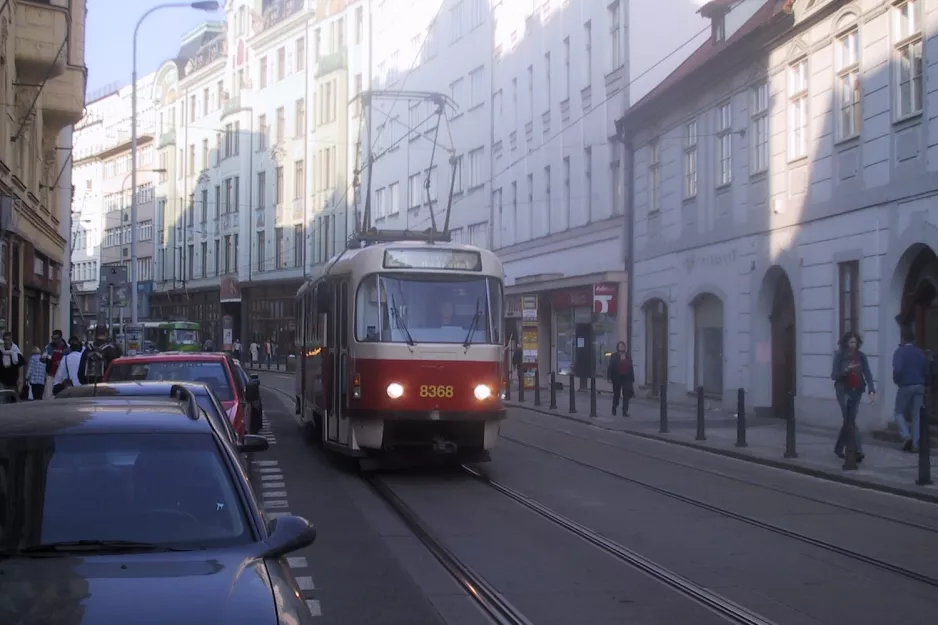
215 370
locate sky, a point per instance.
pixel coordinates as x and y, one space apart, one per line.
110 27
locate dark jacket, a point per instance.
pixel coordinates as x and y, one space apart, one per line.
9 376
613 374
54 355
841 366
910 365
108 352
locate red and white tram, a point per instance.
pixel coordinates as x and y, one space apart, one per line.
401 350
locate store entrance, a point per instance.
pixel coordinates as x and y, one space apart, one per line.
584 352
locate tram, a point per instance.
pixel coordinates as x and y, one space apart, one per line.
401 350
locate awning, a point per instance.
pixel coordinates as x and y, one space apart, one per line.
566 282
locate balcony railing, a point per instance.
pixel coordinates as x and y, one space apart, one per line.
232 105
332 62
167 138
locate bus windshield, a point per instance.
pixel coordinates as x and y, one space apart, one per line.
428 308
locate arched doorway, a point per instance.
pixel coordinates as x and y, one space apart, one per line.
919 308
656 344
784 350
708 344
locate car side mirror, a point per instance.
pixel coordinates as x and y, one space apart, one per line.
286 535
253 443
255 378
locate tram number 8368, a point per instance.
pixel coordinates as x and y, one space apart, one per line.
436 391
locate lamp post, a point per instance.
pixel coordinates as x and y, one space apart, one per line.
210 5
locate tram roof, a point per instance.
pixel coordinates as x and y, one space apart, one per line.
352 258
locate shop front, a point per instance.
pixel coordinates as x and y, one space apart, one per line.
585 328
271 315
200 307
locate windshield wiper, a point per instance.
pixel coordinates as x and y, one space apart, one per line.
109 546
401 325
473 326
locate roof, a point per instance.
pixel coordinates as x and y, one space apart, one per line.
706 56
173 357
96 416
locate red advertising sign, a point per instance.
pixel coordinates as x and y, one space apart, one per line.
605 298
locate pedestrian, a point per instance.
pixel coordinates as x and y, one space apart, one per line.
52 355
69 372
622 375
11 361
102 352
254 349
910 372
36 374
236 349
852 377
268 351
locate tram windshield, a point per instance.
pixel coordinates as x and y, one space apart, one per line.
428 308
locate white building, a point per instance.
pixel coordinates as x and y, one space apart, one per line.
784 187
255 135
537 88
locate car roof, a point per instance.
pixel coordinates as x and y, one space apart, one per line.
132 389
173 357
99 416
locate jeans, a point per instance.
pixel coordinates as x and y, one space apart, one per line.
909 400
621 389
849 404
38 390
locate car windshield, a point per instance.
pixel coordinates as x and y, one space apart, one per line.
166 489
428 308
211 373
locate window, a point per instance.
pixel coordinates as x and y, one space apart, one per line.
394 198
588 52
457 185
300 54
476 168
566 68
428 309
848 82
359 25
456 92
278 186
217 256
531 93
281 123
849 283
298 246
724 144
262 73
456 23
798 109
588 175
690 159
567 199
261 190
907 35
204 263
263 132
760 128
414 196
547 89
261 251
280 261
299 180
299 122
654 176
548 203
477 87
204 219
281 63
615 34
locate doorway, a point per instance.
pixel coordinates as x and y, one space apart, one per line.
784 349
920 310
656 345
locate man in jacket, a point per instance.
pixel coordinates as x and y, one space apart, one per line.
910 372
52 356
100 356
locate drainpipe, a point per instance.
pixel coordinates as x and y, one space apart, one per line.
629 170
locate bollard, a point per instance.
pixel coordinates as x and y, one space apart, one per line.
701 435
790 451
508 386
553 391
572 395
741 418
521 384
593 396
924 450
537 387
663 416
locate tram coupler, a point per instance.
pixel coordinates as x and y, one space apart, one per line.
441 446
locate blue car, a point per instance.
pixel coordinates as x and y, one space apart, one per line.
137 511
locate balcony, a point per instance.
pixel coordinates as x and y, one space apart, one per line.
41 32
167 138
332 62
63 98
231 106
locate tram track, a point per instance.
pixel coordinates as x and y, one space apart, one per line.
782 491
742 518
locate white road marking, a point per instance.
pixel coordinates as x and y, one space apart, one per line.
273 485
275 494
269 470
314 608
275 515
276 503
305 583
297 562
264 463
267 478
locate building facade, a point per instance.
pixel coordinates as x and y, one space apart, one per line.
42 75
784 190
253 133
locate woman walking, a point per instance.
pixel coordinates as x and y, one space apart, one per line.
852 377
622 375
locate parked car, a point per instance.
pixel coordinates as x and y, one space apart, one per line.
204 396
216 370
252 384
130 510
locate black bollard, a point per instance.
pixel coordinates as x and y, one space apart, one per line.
663 416
741 418
924 449
508 386
790 451
701 435
521 384
553 391
572 395
537 387
593 396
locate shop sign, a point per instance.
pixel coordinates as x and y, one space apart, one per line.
529 307
513 306
708 261
229 290
605 298
571 298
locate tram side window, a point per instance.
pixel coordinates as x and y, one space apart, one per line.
367 311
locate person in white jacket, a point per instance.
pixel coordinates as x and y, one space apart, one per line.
69 366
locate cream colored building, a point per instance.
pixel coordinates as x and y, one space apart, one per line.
42 75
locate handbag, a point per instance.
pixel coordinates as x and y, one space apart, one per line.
64 384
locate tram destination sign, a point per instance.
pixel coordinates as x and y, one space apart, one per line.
452 260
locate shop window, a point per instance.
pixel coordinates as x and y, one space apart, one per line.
708 344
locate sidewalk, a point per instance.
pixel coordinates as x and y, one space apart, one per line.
885 468
278 364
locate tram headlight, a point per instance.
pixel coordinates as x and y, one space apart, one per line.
482 392
395 390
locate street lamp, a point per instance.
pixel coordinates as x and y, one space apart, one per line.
210 5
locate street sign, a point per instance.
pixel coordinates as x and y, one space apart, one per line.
113 275
133 339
